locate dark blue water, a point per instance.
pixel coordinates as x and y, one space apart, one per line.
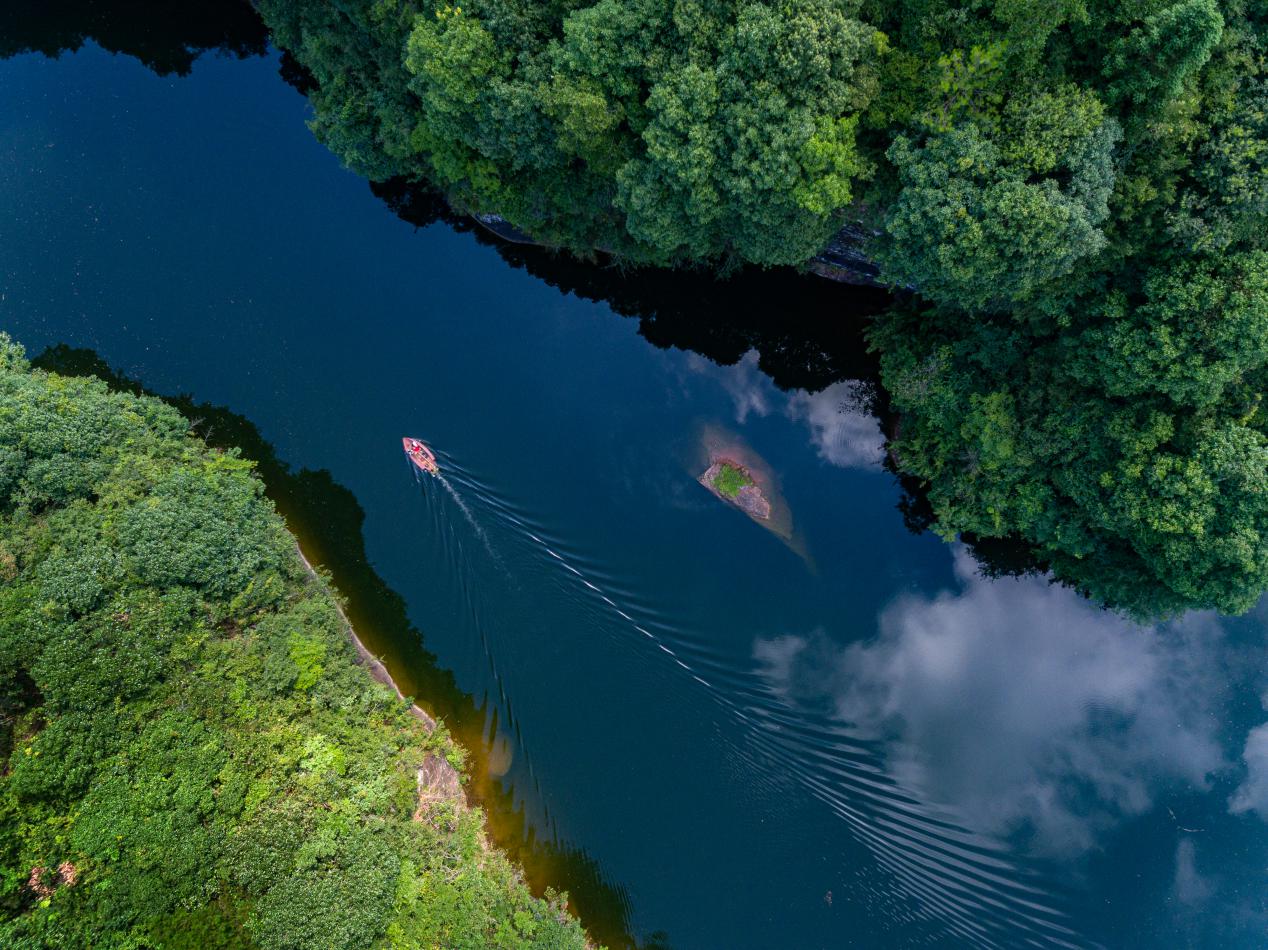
853 739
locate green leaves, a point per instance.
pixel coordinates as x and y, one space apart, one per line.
662 132
1151 64
1199 328
208 526
972 230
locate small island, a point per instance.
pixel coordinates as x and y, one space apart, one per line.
733 483
735 473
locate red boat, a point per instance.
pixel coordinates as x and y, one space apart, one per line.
421 456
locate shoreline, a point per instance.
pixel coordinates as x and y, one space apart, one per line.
438 780
367 659
842 261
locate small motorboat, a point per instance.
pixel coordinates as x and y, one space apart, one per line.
422 457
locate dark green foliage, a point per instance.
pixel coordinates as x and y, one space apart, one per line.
660 131
1192 334
1151 64
192 758
1154 501
974 228
1091 378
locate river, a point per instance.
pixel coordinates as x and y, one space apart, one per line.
712 737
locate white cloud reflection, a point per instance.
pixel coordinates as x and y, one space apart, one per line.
749 388
842 431
1252 794
1189 888
1028 712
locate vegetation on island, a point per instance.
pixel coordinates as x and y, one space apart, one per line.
1077 192
191 756
730 478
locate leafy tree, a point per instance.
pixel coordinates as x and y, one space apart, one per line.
975 225
1195 333
660 131
1151 64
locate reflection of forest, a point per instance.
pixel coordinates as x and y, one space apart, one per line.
808 331
166 37
327 519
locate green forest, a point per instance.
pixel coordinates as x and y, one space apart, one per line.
192 757
1070 195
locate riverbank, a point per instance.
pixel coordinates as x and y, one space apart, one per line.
438 781
192 725
364 656
844 260
327 521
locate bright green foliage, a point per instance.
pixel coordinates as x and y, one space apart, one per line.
730 479
664 131
191 756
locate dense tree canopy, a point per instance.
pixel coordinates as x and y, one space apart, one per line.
191 757
1096 391
664 131
1076 191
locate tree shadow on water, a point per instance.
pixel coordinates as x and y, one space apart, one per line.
808 331
167 37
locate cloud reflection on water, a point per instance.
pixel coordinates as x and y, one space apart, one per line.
1252 794
1071 737
1029 712
842 431
1064 735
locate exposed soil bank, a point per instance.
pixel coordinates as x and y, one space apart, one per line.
843 260
438 780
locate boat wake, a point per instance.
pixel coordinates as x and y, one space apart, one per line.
471 519
947 879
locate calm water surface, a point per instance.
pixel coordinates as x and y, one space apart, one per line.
714 738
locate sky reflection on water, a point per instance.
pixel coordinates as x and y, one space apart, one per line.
1048 724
